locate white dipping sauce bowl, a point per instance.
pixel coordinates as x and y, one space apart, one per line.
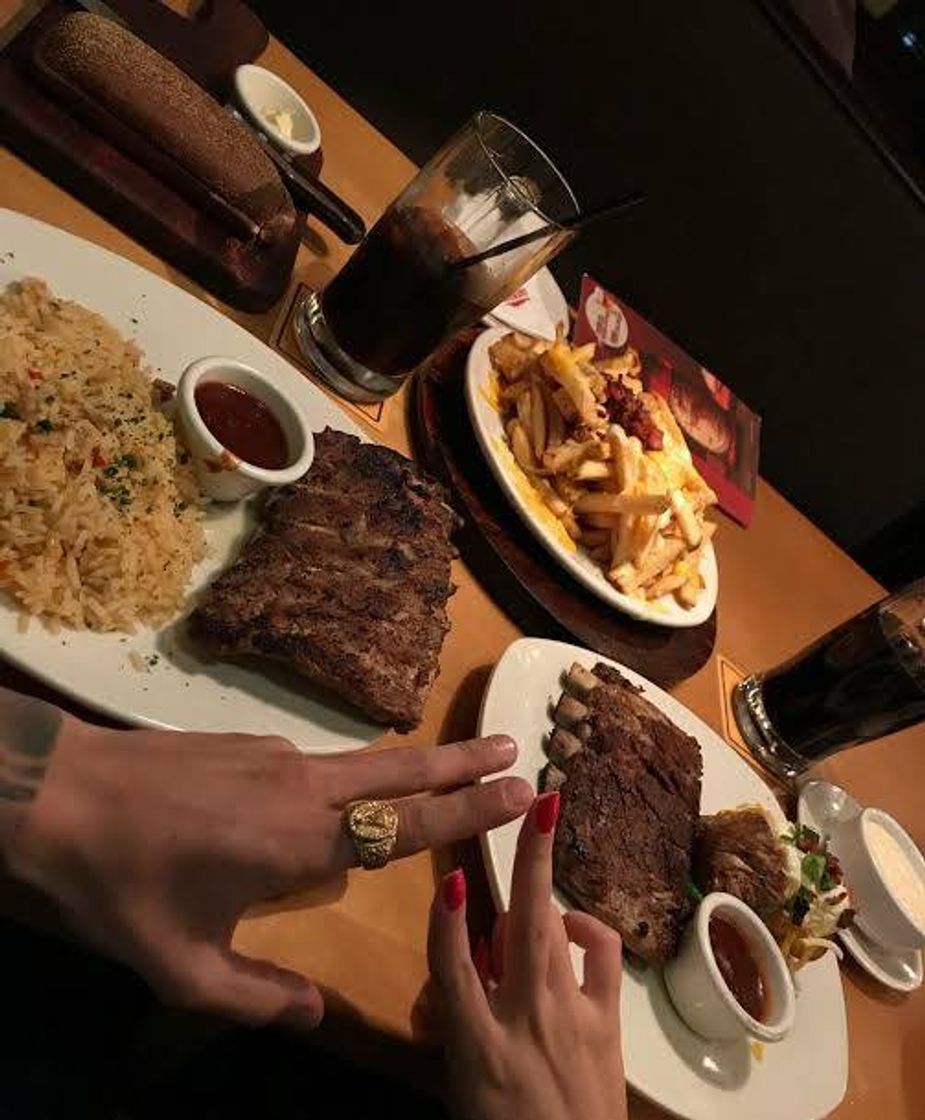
700 994
259 91
222 475
880 914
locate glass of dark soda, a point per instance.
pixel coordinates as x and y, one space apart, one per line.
863 680
408 286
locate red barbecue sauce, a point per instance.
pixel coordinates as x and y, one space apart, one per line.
738 967
243 424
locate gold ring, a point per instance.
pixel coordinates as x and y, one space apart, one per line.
373 828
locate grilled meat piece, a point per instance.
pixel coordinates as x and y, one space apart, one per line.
347 582
629 811
739 852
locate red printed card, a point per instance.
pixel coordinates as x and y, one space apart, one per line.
722 431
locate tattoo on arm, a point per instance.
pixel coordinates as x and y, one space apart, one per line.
28 733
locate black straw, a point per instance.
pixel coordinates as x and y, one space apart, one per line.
578 222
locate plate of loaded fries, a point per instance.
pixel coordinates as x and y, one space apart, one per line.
192 535
598 471
662 825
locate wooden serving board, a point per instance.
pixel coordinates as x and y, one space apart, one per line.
534 590
247 274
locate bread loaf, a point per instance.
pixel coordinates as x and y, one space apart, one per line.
163 112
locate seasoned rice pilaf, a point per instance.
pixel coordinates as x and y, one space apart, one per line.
99 508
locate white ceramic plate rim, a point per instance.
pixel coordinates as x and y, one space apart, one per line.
803 1077
490 434
183 691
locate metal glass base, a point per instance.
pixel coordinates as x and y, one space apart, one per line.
761 738
345 376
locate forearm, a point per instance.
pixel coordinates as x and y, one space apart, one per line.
29 733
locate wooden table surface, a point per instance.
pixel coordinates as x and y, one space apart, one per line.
782 583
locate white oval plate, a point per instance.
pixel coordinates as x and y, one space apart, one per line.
489 431
182 690
801 1078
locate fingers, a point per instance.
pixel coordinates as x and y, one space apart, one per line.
431 822
222 982
528 933
481 958
603 957
561 973
407 770
462 996
498 935
423 822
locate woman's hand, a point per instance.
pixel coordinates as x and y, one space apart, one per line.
153 844
529 1042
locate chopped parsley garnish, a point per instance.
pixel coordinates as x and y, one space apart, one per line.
807 839
819 867
693 892
812 867
120 496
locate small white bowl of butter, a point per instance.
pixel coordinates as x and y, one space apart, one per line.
274 107
886 872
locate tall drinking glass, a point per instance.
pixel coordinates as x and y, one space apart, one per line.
407 287
863 680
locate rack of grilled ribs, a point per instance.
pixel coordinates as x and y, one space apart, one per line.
630 787
346 581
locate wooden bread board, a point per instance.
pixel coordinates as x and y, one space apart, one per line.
245 273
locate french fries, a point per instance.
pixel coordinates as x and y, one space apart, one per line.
634 504
593 471
520 445
621 503
686 518
561 366
538 419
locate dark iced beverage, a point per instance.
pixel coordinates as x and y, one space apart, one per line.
861 681
404 291
400 295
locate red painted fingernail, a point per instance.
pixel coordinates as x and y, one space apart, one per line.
547 812
454 889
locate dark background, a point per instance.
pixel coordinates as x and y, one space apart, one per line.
778 244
